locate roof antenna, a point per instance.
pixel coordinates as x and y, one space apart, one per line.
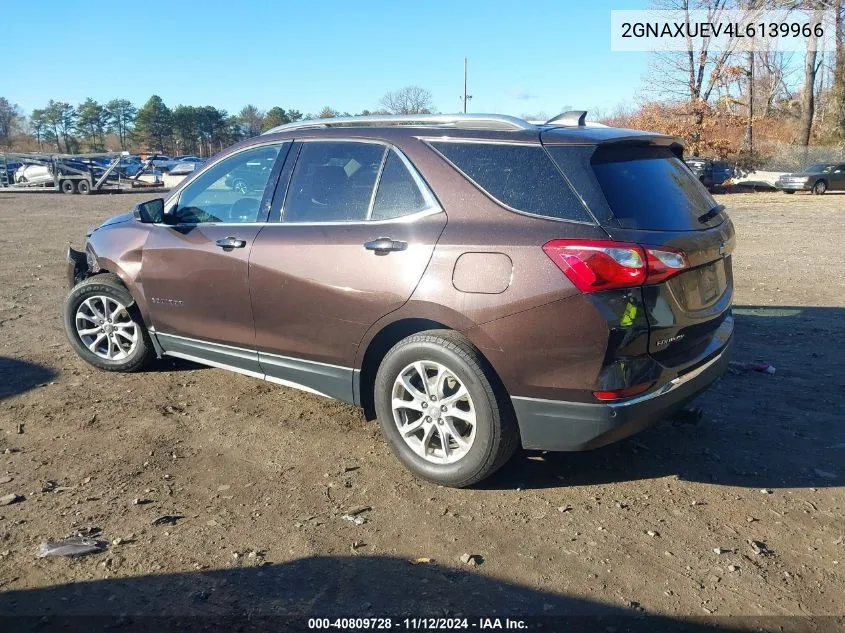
573 118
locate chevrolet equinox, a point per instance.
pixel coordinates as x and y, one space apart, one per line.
475 282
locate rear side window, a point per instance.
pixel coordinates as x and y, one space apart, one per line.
519 176
650 188
333 182
397 193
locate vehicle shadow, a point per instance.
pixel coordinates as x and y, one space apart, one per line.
19 376
758 430
281 597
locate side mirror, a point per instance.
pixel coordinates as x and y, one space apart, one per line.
149 212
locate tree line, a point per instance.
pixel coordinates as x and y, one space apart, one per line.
724 102
185 129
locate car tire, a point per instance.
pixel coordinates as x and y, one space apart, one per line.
68 186
108 350
820 187
485 446
240 186
83 187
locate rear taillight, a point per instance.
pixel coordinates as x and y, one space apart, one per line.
663 263
594 265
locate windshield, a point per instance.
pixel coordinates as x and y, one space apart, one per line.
818 168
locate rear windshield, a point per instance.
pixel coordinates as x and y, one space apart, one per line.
650 188
519 176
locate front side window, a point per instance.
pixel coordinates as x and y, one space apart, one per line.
333 182
231 190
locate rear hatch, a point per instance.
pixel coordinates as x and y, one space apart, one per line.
649 197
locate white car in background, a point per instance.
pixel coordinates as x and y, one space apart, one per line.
33 173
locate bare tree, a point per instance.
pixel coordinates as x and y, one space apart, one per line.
808 91
772 80
839 74
408 100
328 113
692 75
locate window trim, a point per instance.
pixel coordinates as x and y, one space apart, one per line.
432 205
429 140
176 195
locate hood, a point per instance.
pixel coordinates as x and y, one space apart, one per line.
118 219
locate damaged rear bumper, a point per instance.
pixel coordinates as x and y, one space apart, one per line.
77 266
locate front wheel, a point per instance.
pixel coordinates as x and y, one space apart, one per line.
439 410
820 187
104 326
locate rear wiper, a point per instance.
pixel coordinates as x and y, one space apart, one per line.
712 213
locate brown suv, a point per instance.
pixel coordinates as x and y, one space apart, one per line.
476 282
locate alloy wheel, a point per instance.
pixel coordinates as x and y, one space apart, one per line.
433 412
105 327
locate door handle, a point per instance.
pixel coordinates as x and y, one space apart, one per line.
231 242
384 245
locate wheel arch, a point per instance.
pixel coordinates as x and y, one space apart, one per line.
375 351
381 340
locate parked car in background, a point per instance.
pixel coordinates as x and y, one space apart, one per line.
190 159
475 282
249 177
130 165
709 171
183 168
160 162
33 173
818 178
11 167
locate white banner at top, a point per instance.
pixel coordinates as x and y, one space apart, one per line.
727 30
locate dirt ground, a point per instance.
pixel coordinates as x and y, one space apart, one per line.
261 476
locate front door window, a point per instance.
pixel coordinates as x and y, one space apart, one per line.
231 190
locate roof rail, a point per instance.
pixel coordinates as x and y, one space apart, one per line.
573 118
472 121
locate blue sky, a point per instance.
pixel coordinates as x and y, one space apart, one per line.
523 57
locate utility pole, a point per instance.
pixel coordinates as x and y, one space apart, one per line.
466 96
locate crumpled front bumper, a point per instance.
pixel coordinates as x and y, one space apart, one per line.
77 266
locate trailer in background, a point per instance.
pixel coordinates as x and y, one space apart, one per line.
71 173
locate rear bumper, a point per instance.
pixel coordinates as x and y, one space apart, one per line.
554 425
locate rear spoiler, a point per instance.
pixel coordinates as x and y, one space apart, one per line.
610 135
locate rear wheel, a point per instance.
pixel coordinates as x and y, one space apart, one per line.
439 411
820 187
104 325
84 187
68 186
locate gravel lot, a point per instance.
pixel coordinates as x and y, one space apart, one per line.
261 475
